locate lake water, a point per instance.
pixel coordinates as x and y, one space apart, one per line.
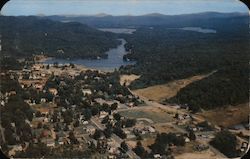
198 29
114 60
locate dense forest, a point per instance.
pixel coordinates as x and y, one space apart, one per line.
25 36
163 51
164 55
16 113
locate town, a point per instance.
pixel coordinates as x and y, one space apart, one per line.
71 111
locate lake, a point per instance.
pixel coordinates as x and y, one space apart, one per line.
113 61
198 29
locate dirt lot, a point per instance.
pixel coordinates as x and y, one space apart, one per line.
145 142
128 79
229 116
165 91
165 128
208 154
157 115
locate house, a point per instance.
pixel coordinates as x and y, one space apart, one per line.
86 92
70 127
38 86
50 142
44 111
111 157
43 100
85 122
14 149
10 93
61 141
112 150
157 156
36 68
2 103
151 129
130 104
60 51
244 146
63 110
103 114
187 139
46 120
53 91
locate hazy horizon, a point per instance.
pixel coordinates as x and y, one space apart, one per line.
119 8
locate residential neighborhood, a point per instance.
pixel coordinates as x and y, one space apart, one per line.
80 109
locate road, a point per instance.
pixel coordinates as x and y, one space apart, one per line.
117 139
199 139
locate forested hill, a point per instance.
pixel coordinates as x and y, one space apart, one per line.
206 19
24 36
164 55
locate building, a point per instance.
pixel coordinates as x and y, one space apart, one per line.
86 92
53 91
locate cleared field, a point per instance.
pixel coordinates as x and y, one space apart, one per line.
166 91
157 115
208 154
145 142
127 79
165 128
228 116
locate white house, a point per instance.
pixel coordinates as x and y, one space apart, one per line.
86 91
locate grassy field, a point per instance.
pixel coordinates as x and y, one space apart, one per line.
166 91
228 116
157 115
165 128
127 79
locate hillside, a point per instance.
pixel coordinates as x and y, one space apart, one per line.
164 55
24 36
206 19
168 90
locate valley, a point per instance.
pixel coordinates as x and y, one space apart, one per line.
147 86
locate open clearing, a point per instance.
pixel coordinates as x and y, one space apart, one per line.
166 91
127 79
157 115
208 154
165 128
228 116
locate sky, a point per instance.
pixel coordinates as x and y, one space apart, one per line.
119 7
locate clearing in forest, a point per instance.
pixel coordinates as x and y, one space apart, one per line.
165 91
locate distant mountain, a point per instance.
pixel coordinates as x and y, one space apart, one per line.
101 15
24 36
208 19
154 14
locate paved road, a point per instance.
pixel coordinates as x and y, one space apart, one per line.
117 139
